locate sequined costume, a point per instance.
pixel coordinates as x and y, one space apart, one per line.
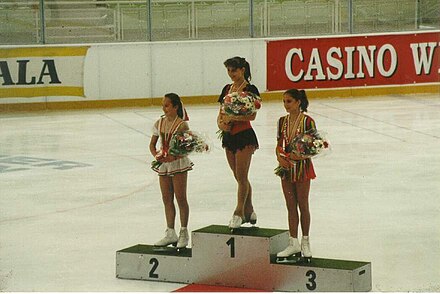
302 170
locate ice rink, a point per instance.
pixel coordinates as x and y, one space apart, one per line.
76 186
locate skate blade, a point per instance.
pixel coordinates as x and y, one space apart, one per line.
252 222
288 260
181 249
243 228
296 258
165 247
162 248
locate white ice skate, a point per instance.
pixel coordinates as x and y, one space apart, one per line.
305 249
235 222
292 253
183 238
170 238
252 218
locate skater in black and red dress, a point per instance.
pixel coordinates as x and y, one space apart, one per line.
239 140
298 171
173 169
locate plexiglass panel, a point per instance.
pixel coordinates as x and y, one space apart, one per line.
80 22
88 21
20 22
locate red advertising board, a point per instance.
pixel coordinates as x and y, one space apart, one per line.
352 61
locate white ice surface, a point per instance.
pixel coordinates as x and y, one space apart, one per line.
376 196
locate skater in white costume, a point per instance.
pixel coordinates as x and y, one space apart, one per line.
239 140
173 170
295 172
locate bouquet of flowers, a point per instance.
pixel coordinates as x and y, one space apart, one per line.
244 103
240 104
304 145
309 144
183 143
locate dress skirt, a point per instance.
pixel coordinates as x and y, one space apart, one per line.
240 140
301 171
177 166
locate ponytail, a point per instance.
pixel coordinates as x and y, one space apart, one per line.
240 62
247 71
301 96
176 101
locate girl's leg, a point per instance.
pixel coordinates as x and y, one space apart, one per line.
302 192
289 192
230 156
242 164
232 159
166 187
248 207
179 184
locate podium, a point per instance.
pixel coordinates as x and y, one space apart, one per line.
245 258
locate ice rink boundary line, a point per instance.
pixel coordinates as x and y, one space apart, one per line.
375 120
118 197
125 125
354 92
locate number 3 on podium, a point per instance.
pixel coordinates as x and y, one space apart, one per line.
311 285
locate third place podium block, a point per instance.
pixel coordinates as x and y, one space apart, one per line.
245 258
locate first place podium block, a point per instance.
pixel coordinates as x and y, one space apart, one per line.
245 258
239 259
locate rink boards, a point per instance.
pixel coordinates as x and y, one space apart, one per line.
245 258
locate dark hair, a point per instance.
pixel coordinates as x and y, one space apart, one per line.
301 96
240 62
175 100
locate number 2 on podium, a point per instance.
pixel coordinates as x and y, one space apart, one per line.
155 264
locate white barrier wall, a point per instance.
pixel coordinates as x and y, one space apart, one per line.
149 70
341 66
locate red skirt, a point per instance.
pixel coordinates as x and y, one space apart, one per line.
302 171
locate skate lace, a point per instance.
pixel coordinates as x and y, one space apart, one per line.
305 245
183 235
169 233
236 219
